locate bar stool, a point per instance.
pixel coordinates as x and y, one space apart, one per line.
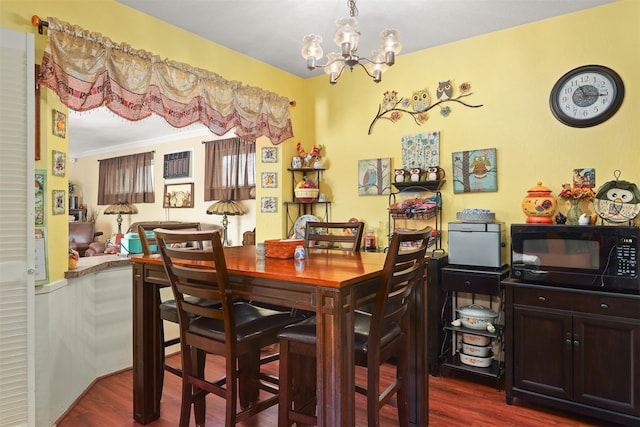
379 336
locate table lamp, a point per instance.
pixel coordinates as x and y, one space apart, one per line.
119 209
225 208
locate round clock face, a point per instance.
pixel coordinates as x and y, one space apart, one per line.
586 96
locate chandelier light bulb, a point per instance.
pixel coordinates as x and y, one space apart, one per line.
312 48
390 41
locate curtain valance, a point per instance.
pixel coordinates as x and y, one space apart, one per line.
88 70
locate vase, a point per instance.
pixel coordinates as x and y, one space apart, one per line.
573 214
73 263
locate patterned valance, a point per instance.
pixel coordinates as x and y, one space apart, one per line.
88 70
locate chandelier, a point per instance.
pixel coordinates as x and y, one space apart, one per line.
347 37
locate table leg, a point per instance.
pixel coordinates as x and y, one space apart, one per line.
147 360
335 371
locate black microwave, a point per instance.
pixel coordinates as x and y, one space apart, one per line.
581 256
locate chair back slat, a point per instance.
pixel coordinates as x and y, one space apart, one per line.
206 281
403 271
334 235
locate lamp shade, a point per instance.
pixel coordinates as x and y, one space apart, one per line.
226 207
120 208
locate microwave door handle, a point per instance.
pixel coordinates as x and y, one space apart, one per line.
540 272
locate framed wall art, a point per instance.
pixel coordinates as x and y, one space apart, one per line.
268 204
269 180
59 124
59 163
475 171
421 150
178 195
59 198
41 264
374 177
269 154
39 182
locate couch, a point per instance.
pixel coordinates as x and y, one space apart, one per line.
82 238
99 248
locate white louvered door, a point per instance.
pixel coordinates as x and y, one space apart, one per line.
17 401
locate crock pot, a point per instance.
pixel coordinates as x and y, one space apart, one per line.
476 316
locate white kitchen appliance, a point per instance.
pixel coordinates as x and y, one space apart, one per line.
477 244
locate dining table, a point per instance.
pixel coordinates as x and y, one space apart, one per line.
330 283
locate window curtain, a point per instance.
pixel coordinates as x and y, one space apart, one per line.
87 70
230 169
126 179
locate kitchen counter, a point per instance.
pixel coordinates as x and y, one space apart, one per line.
92 264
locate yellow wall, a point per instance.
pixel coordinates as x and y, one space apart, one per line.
511 73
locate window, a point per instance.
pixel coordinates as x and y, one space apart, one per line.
127 179
230 169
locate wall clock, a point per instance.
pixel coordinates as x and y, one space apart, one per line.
586 96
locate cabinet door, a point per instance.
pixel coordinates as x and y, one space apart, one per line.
542 351
607 363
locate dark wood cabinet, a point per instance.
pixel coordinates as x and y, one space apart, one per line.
574 350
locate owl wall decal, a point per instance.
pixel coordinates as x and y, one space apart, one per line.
389 100
420 100
444 90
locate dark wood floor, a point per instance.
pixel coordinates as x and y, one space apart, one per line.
453 402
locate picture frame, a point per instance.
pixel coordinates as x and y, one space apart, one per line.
59 201
475 171
58 163
59 123
178 195
269 180
374 177
269 155
269 204
41 262
40 201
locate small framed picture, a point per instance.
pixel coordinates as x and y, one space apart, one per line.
269 154
59 123
59 163
178 195
58 202
268 204
269 180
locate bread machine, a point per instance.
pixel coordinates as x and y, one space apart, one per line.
477 244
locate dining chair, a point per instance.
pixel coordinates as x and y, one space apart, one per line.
236 330
168 309
379 336
334 235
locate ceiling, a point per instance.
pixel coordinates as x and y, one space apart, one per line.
272 31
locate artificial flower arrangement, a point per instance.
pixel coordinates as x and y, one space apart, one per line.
576 193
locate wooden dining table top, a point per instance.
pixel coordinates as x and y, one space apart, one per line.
321 267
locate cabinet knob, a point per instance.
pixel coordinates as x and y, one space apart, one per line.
542 298
468 283
568 342
604 306
138 276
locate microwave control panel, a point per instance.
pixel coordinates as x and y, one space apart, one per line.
626 257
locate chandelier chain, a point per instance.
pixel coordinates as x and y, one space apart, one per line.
353 10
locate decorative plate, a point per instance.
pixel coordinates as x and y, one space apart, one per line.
300 225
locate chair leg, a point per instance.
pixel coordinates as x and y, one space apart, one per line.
401 374
248 378
199 401
284 396
373 397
